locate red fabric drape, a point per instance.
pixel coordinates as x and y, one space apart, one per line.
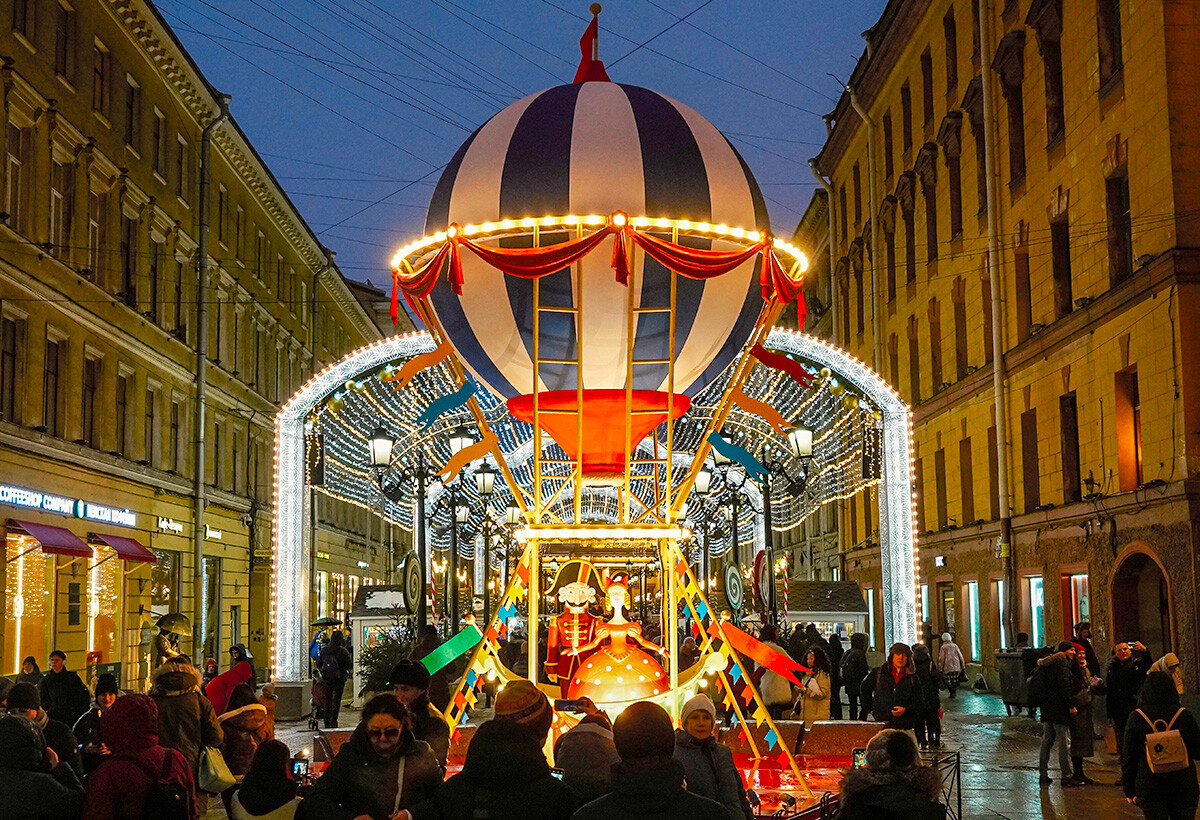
534 263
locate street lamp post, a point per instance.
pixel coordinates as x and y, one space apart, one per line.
460 438
485 484
800 447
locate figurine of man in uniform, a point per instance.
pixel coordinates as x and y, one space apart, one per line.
571 629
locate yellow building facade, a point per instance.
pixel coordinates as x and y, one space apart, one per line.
98 348
1084 129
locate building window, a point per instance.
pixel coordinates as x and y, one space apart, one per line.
889 246
181 169
914 359
210 609
939 480
1120 229
1037 610
887 145
239 230
1069 428
993 474
1060 264
1010 65
1108 25
222 212
156 261
133 113
100 80
927 87
97 235
1029 461
906 116
999 589
894 358
151 428
122 415
180 321
973 626
966 480
950 28
23 13
175 460
1076 602
218 452
50 391
908 217
1129 429
870 594
959 298
935 345
322 593
20 174
62 208
1056 121
128 292
929 193
859 300
1024 295
857 196
164 581
260 253
10 341
845 228
159 157
64 42
91 382
985 302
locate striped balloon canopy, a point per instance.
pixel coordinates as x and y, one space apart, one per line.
598 148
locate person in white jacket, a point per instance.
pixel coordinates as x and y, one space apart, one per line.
951 662
775 689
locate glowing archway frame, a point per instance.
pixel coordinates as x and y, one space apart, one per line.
897 521
292 554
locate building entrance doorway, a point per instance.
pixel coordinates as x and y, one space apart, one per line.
1141 604
948 622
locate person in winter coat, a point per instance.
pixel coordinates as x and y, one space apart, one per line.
1169 664
439 684
333 667
505 773
708 765
268 791
30 673
1082 736
244 727
835 676
648 783
1058 710
117 789
951 663
36 785
854 669
1083 638
689 653
812 637
1123 683
87 730
409 682
929 720
893 785
238 653
186 719
64 697
24 700
816 689
774 688
1166 794
267 697
586 753
210 673
380 771
222 686
896 698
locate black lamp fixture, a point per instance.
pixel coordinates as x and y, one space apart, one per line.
512 514
379 447
459 439
485 480
703 482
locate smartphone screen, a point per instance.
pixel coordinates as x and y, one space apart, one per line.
568 706
557 774
860 758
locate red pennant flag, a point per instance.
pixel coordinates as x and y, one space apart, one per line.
761 653
590 69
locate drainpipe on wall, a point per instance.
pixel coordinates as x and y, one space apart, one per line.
877 348
833 296
202 372
1004 541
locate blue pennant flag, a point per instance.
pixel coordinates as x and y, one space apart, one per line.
734 453
471 678
735 673
701 610
733 719
770 738
445 404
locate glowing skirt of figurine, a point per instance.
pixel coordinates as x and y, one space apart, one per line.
608 676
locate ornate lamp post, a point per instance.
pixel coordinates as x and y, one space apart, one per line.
799 441
485 484
459 439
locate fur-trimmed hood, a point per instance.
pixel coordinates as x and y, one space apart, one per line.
892 789
174 678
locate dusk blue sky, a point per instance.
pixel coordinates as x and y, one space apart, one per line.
357 104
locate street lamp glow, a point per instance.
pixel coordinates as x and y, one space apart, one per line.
703 480
800 439
462 513
512 514
485 479
380 446
460 438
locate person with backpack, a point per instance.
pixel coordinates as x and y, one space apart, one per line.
1162 739
333 667
1052 687
140 778
854 668
186 719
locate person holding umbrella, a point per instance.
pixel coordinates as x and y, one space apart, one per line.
171 627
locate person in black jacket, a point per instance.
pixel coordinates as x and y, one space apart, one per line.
648 783
835 676
893 784
333 667
854 669
897 694
34 782
1123 683
87 729
1167 794
64 697
1057 711
24 700
929 719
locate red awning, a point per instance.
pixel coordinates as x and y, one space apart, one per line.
56 540
126 548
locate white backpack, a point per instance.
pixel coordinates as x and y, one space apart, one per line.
1165 749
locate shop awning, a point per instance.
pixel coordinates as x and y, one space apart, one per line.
127 548
56 540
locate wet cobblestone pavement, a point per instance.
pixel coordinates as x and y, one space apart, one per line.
999 756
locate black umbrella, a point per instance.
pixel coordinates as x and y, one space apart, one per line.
326 621
175 622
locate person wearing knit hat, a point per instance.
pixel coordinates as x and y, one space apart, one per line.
709 765
409 682
88 733
505 773
893 783
648 782
25 700
34 782
586 753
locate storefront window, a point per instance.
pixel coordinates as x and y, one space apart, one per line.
337 594
322 593
1002 612
973 616
164 582
871 616
1037 610
105 582
1077 595
210 629
28 607
925 613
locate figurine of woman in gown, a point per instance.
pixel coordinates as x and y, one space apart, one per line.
620 670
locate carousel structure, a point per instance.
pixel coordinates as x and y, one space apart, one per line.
599 285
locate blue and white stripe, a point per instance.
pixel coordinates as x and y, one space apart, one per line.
595 148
